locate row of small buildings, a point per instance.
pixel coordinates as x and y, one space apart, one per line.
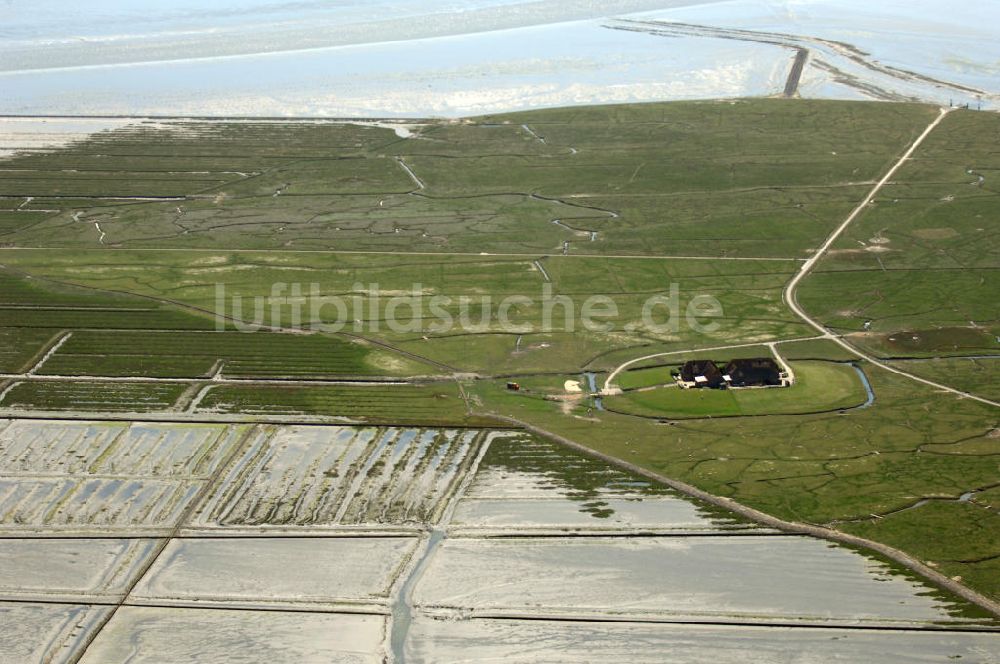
752 372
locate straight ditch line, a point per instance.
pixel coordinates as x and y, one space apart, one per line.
930 628
337 607
402 608
440 254
499 617
464 534
203 536
200 607
203 417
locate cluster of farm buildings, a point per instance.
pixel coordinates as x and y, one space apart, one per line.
752 372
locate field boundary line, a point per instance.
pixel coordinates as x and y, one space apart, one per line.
6 390
49 353
481 254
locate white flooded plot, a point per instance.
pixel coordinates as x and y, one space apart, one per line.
50 633
208 636
113 448
337 476
500 516
264 572
95 569
102 476
537 642
728 579
527 485
217 543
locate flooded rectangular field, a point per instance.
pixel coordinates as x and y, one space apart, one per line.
114 448
102 477
51 633
92 505
523 466
729 579
307 543
57 568
264 572
650 513
525 484
210 636
326 476
551 642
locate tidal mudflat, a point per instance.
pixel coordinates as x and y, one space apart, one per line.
326 476
349 572
373 544
741 579
537 641
147 634
31 632
102 569
418 59
103 477
533 486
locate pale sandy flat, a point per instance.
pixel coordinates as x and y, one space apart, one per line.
267 570
209 636
749 578
46 632
541 642
46 567
606 513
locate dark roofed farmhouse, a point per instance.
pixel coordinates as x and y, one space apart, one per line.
702 373
754 372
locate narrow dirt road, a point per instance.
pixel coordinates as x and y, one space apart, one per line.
788 295
621 367
790 289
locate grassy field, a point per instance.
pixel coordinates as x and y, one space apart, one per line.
816 349
647 377
19 346
435 404
94 397
922 264
819 386
976 375
937 342
116 333
123 240
787 169
28 302
199 354
956 536
749 294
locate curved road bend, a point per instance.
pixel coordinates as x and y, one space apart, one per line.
789 293
614 374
